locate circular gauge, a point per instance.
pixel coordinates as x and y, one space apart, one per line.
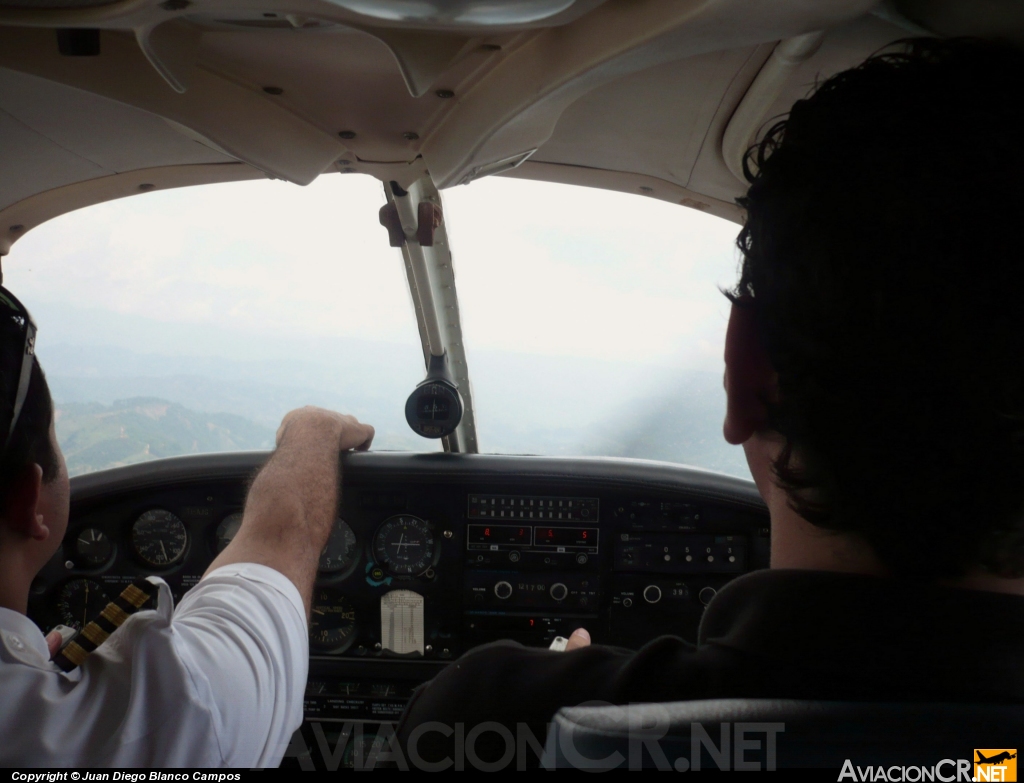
340 553
332 621
79 602
93 547
159 538
226 530
404 545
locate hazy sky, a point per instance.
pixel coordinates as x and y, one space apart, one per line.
613 294
564 270
541 268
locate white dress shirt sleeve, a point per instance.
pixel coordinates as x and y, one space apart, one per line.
219 682
242 636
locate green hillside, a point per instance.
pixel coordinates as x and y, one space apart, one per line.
95 437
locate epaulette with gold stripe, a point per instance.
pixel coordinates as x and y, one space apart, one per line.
131 600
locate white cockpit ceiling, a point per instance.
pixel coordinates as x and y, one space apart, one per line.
53 135
634 95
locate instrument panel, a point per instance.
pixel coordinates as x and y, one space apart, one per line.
430 556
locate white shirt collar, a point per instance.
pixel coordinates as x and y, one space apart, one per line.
22 638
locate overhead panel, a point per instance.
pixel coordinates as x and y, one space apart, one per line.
517 104
53 135
237 117
669 106
461 13
374 111
31 163
639 89
112 134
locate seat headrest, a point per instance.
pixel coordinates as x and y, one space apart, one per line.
753 734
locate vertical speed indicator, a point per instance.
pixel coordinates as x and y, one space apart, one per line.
332 621
404 546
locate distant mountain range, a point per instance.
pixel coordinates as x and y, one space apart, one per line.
95 437
119 406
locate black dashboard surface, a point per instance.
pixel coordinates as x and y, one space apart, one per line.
438 553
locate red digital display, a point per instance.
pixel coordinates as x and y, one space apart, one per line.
499 534
565 536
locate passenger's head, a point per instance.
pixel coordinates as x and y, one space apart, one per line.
881 270
33 478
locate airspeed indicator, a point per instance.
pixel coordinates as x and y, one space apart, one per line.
159 538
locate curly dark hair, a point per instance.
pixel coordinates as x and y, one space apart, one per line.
880 257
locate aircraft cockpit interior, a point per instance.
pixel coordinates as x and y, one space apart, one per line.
497 231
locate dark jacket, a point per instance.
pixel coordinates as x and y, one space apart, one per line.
786 634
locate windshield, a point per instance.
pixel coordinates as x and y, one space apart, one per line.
594 321
191 320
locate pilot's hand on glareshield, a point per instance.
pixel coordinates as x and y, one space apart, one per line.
319 422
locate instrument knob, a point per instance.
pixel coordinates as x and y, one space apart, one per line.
706 594
652 594
503 590
559 591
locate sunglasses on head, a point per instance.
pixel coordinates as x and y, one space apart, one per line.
11 308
